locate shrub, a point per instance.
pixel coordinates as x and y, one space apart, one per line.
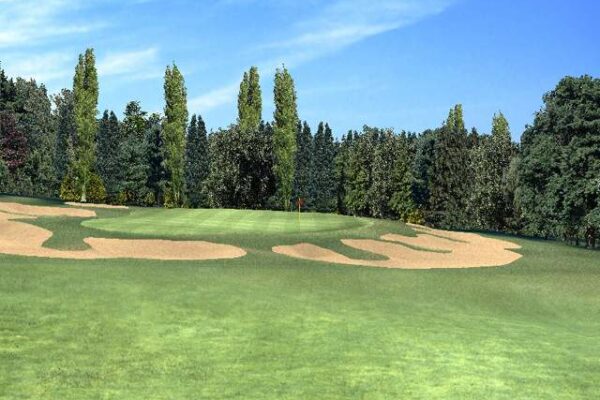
70 189
96 192
149 199
415 217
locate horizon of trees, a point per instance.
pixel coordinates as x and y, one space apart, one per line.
548 185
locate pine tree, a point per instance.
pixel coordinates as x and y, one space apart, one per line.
66 133
196 162
359 172
449 188
490 163
341 171
13 142
250 102
33 107
305 167
108 148
422 169
154 159
284 138
324 166
379 192
401 202
174 128
132 156
8 92
85 93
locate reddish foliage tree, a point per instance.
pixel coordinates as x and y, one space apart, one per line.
13 142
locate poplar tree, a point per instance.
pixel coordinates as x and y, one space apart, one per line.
85 93
284 137
250 102
196 162
174 127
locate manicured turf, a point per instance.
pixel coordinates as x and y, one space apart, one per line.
269 327
195 222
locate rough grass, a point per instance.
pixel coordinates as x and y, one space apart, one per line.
266 326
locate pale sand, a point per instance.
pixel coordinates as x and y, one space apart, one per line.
41 211
463 250
23 239
94 205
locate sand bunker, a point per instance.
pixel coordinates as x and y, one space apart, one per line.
94 205
23 239
40 211
446 250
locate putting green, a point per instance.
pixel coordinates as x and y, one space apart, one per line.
216 221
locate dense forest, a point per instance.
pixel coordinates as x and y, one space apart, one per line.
548 185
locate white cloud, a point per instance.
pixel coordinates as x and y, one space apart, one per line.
137 64
30 22
41 67
214 98
335 26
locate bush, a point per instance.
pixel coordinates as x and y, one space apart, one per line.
95 191
149 199
168 199
415 217
70 189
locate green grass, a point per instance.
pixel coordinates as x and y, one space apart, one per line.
195 222
270 327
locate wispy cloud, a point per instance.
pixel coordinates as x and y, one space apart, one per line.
45 67
30 22
214 98
137 64
336 25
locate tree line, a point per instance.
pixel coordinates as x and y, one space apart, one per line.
548 185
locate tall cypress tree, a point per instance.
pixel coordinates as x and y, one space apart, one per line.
85 92
449 189
284 137
108 146
174 128
196 162
250 102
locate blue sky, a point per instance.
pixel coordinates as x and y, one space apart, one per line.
386 63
